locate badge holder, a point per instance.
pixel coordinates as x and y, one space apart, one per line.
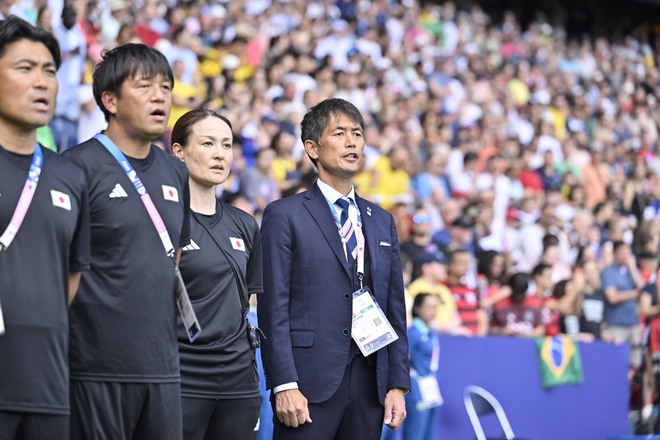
371 330
429 389
188 316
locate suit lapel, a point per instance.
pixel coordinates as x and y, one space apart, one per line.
318 208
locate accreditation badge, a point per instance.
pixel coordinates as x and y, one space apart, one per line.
371 330
430 391
190 322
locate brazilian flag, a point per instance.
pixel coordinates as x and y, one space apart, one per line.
559 360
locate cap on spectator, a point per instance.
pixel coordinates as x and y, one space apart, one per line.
270 117
435 257
288 127
512 214
230 62
464 222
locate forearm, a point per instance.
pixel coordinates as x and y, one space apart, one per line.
617 297
74 282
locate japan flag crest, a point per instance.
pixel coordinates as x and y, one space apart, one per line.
170 193
237 244
60 199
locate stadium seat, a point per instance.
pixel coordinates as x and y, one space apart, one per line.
479 402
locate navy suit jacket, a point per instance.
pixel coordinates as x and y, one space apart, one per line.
305 311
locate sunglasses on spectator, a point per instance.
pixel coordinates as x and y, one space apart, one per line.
419 219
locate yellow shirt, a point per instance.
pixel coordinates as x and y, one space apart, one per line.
184 91
391 184
447 306
282 167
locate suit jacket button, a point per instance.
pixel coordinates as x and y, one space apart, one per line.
346 332
347 296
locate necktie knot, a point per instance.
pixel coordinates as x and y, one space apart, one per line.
342 203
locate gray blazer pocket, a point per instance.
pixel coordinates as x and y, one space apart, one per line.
302 338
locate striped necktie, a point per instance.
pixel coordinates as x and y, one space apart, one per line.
347 229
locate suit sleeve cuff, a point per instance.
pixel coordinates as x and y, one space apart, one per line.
285 387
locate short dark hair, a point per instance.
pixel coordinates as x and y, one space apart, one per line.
519 283
485 261
451 256
123 62
617 244
14 29
550 240
184 125
316 119
539 269
418 301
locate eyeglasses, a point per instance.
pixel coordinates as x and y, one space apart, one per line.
419 219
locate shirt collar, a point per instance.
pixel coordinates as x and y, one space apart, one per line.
332 194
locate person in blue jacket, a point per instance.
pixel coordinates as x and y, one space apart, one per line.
423 401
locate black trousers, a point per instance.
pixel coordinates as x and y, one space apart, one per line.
353 412
125 411
213 419
30 426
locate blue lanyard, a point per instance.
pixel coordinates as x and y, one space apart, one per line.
142 191
25 199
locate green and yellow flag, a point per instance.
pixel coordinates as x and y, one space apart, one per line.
559 361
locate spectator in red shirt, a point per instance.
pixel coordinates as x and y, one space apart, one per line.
466 297
519 314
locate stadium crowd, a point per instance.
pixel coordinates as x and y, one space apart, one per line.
521 165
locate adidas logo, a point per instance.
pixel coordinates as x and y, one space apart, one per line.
118 191
191 247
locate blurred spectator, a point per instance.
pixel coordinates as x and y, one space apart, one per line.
491 271
259 183
433 275
591 303
518 314
622 283
73 46
466 297
424 399
420 244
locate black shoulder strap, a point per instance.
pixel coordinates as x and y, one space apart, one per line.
244 305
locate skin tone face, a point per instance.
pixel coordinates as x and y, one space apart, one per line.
460 265
339 153
28 87
544 280
428 309
622 255
143 108
209 154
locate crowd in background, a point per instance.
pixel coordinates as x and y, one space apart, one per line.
521 165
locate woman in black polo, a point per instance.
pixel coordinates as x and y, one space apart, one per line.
221 267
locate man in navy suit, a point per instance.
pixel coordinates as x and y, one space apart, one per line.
323 387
